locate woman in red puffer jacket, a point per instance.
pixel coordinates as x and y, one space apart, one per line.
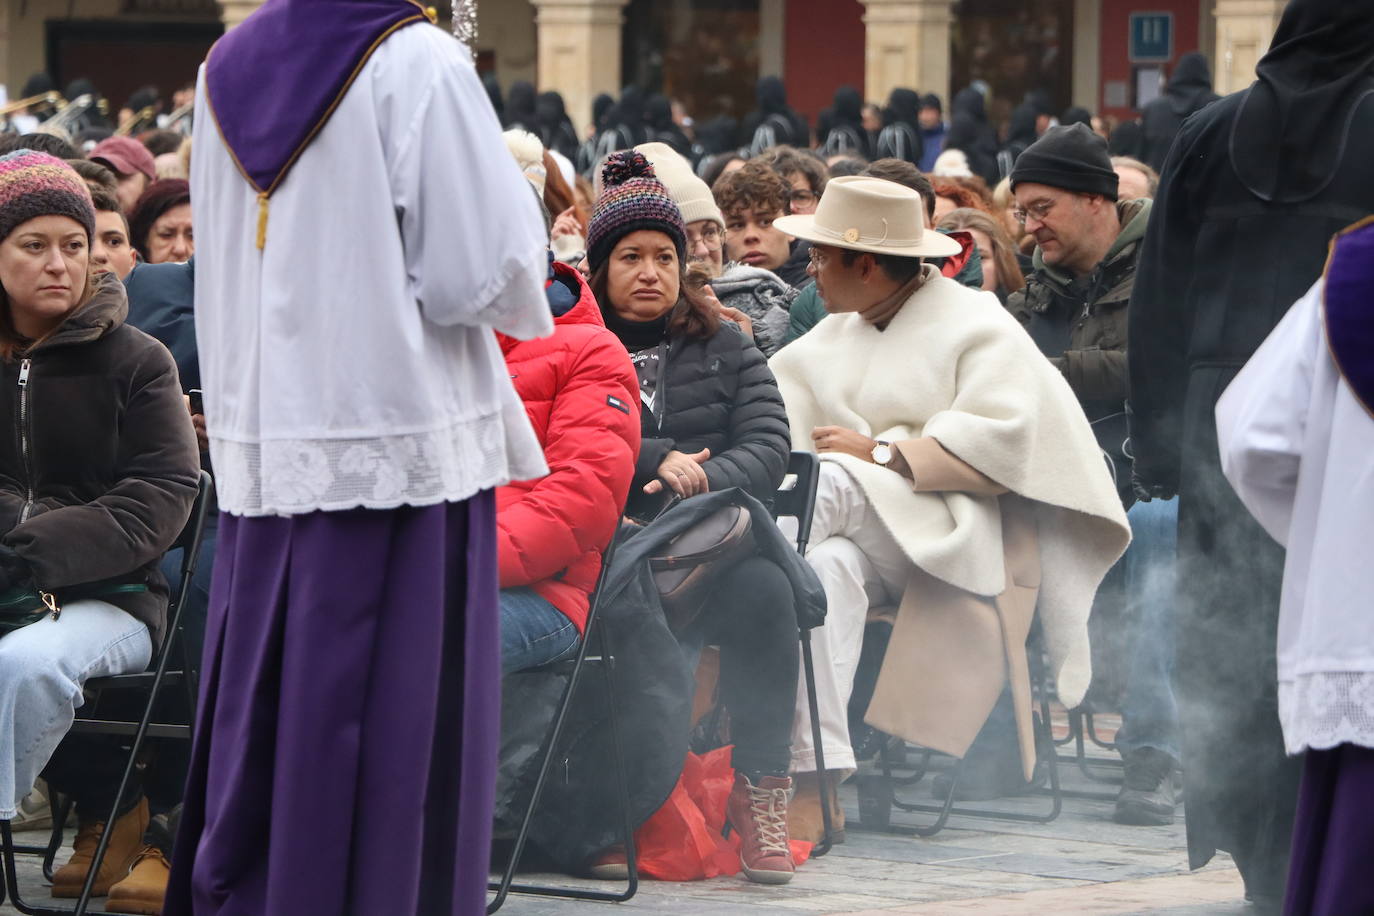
582 397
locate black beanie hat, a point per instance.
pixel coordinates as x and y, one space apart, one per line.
1070 157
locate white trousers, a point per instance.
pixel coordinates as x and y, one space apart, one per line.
42 670
860 566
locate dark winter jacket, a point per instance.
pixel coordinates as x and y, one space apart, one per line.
101 467
1189 89
162 304
716 393
1080 323
582 398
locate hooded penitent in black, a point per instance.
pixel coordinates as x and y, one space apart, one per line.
658 118
1190 88
970 132
900 137
840 128
773 123
520 108
555 127
1239 231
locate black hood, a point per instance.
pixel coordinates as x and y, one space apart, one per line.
37 84
848 106
1127 140
1077 115
549 108
79 87
601 108
903 105
771 95
493 88
1021 128
629 111
520 105
1292 128
969 102
1190 87
658 112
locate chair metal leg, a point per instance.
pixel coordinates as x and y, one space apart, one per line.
506 885
813 706
60 814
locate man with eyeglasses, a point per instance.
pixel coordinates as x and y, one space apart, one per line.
1074 306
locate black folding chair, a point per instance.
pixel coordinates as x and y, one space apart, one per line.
877 791
798 500
152 682
605 660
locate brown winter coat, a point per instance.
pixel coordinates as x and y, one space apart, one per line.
100 467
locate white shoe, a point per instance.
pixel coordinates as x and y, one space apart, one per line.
34 811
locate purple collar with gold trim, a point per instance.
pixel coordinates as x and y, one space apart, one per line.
1349 305
274 81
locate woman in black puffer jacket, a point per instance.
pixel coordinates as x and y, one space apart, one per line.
98 472
711 418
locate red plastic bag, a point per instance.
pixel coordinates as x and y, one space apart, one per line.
682 841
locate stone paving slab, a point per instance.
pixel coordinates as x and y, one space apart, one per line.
1081 863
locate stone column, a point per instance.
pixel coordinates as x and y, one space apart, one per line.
232 12
1244 28
579 51
907 45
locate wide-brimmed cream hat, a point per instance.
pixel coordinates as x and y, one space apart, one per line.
873 215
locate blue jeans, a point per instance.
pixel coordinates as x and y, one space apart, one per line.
1149 712
533 632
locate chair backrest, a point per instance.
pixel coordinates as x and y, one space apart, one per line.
796 498
189 543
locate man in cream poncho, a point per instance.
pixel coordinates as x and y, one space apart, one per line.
960 480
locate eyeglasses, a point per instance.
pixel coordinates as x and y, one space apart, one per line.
818 258
805 198
1040 209
710 237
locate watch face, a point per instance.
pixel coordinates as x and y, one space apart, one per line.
882 454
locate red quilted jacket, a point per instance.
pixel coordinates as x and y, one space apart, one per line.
582 397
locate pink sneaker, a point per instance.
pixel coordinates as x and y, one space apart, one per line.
759 815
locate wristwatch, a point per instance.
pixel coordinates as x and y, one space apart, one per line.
882 453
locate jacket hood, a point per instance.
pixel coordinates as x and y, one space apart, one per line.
586 311
1134 216
771 95
105 311
740 278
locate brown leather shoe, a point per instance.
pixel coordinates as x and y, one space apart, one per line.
126 842
143 890
804 812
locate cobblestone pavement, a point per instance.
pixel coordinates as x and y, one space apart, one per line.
1081 863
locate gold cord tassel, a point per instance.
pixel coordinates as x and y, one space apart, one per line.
262 221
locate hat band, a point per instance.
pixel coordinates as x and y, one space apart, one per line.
853 236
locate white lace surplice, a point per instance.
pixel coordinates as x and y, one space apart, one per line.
1297 446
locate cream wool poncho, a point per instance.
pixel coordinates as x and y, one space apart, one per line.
953 365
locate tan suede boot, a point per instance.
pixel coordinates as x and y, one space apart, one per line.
804 820
143 890
126 842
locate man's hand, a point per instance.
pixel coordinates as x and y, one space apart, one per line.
683 473
844 441
198 421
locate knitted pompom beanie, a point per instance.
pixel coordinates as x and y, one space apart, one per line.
632 198
35 184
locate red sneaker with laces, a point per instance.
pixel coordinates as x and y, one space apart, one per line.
759 815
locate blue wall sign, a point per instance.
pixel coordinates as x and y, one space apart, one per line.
1152 37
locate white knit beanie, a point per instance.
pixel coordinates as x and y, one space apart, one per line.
528 151
689 192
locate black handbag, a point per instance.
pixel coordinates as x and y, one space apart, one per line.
23 605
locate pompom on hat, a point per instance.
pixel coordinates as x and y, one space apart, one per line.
34 184
632 198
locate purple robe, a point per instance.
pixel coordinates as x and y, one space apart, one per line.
1349 312
346 740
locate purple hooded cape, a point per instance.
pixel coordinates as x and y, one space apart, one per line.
273 81
1349 306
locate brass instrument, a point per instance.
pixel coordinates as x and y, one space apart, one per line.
144 117
69 116
48 99
180 118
